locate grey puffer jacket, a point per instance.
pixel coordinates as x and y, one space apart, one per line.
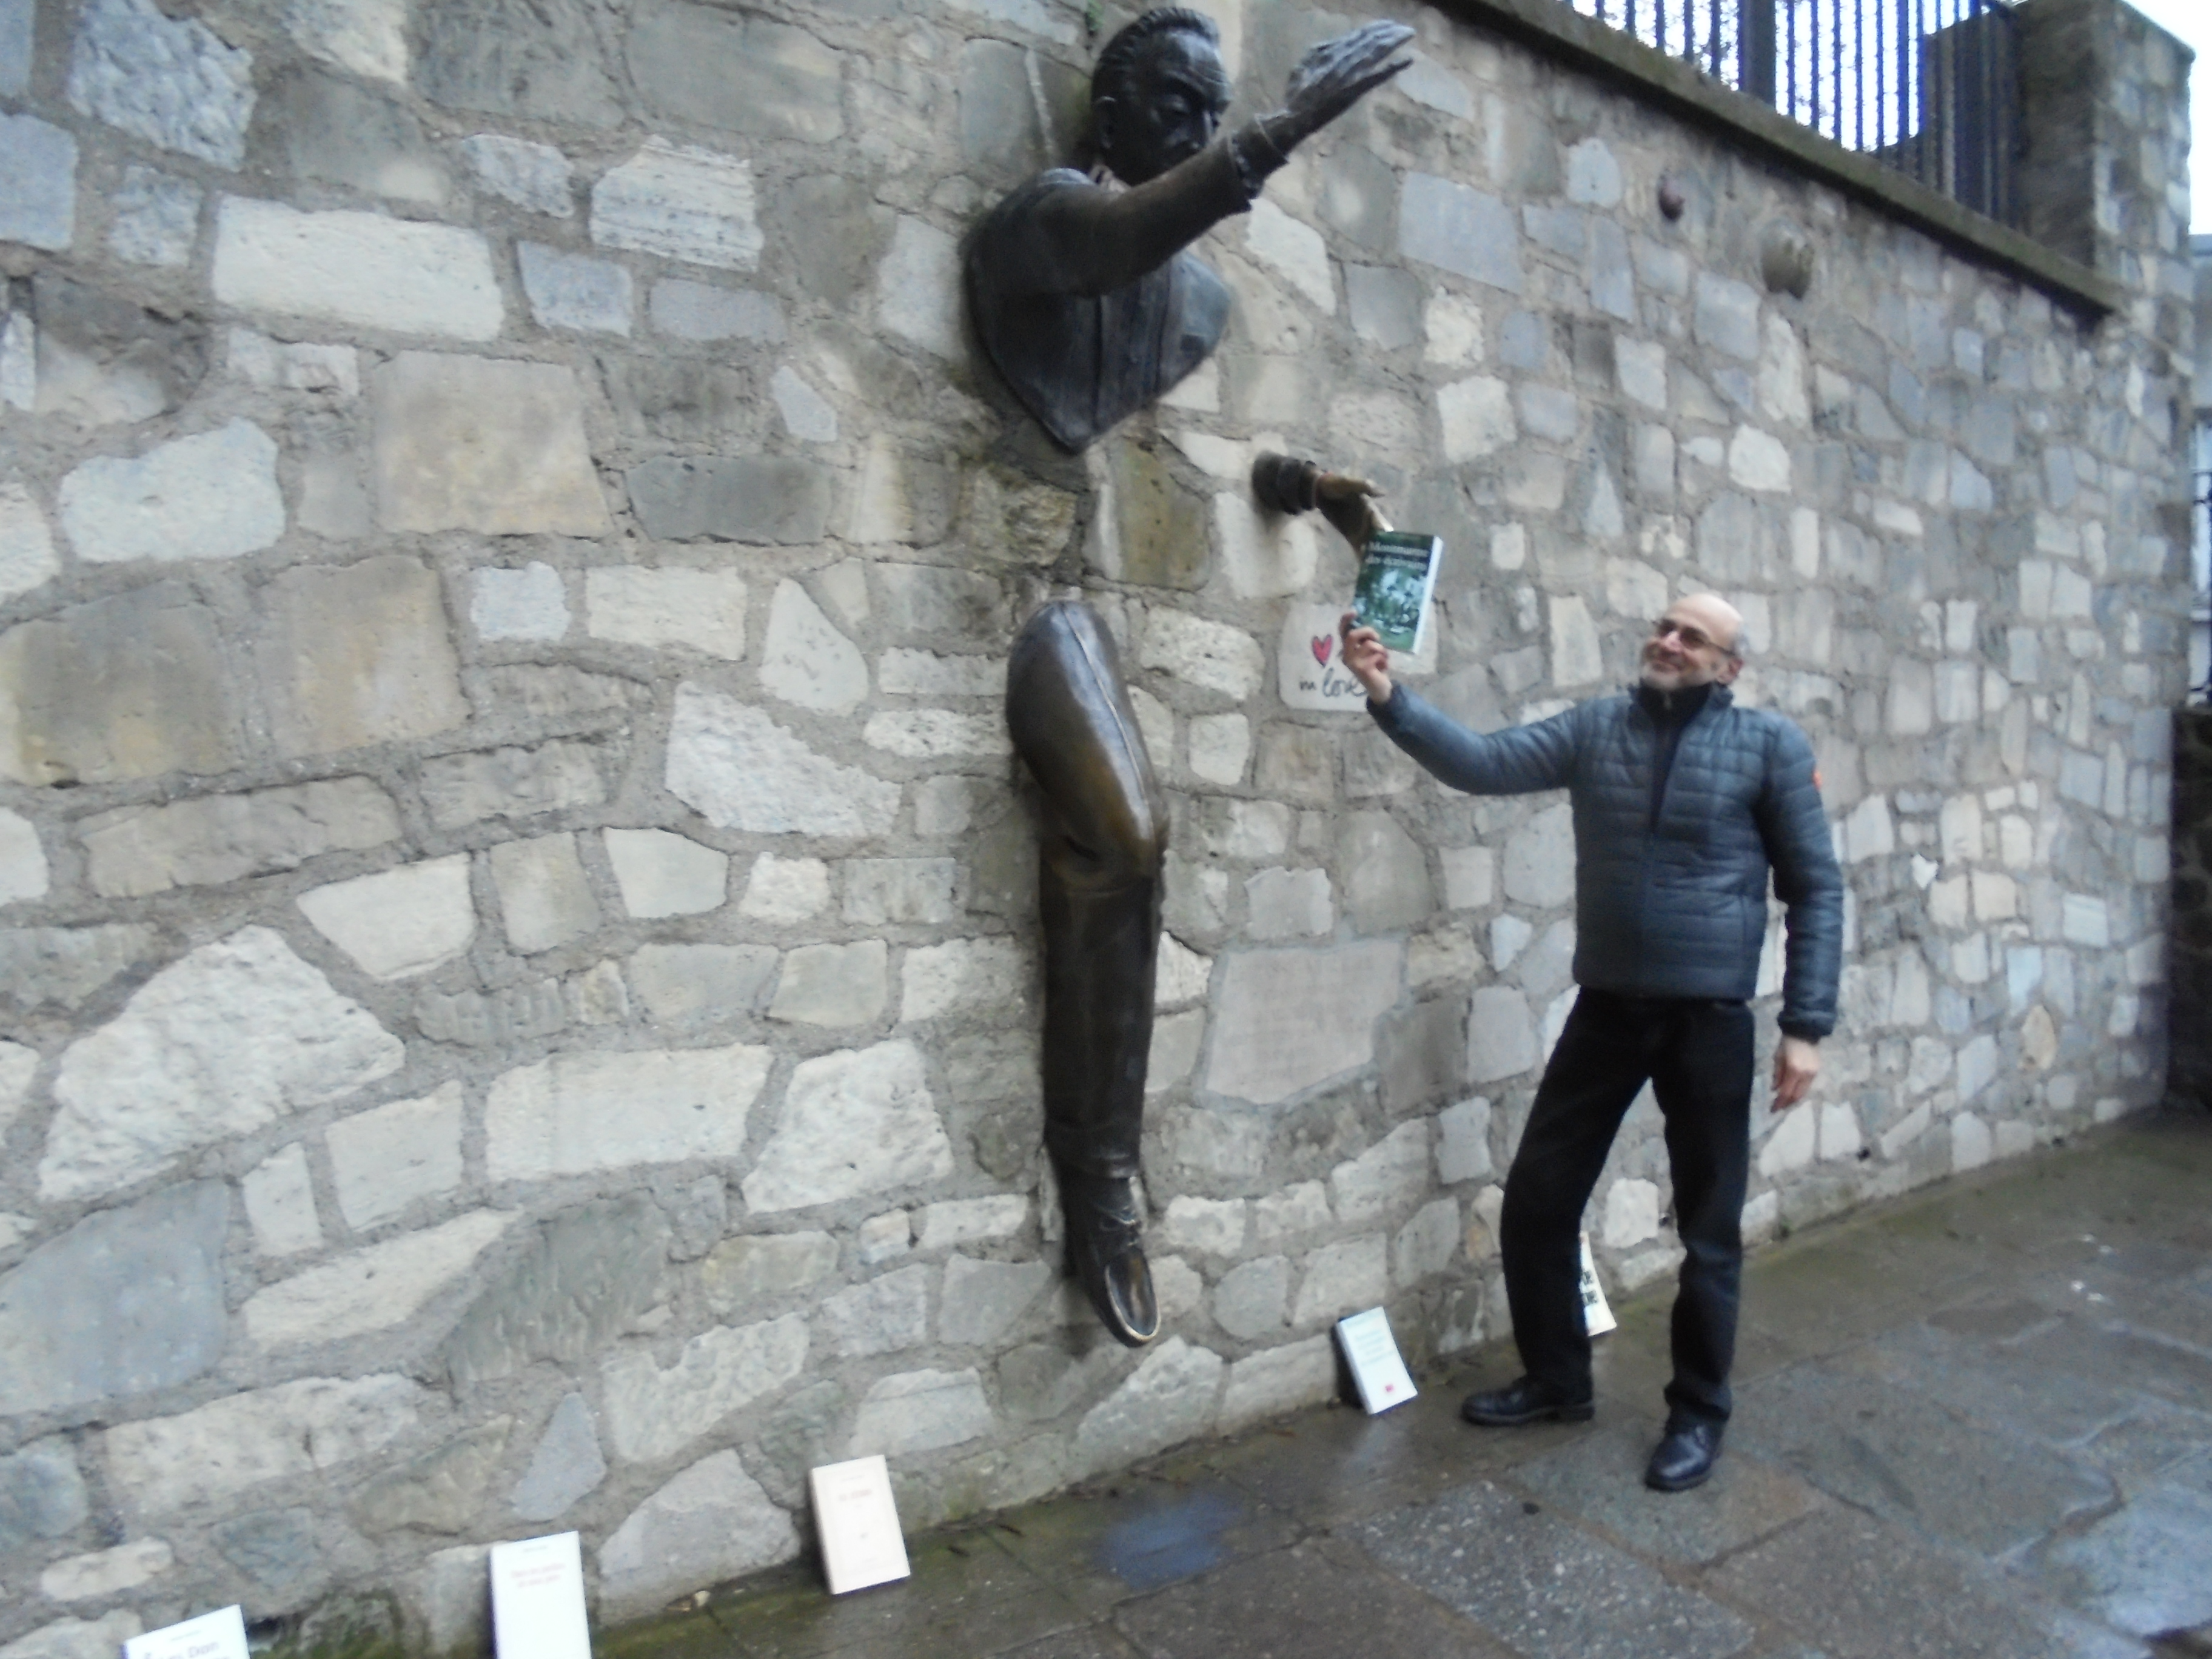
1670 894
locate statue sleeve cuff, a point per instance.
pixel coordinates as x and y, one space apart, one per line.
1254 154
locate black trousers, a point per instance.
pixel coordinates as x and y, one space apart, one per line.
1697 1056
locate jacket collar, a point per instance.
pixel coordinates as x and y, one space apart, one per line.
1652 704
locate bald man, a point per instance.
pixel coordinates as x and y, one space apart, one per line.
1683 803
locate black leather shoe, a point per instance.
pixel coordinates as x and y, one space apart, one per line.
1685 1458
1106 1256
1525 1401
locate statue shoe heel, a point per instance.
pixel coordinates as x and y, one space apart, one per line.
1106 1256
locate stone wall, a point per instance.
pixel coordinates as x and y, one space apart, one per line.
520 968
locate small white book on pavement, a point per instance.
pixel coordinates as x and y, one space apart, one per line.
858 1519
217 1635
537 1599
1598 1318
1378 1371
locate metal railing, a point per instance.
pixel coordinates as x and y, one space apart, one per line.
1931 88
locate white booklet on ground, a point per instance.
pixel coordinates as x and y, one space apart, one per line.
858 1519
1378 1371
537 1599
1598 1318
218 1635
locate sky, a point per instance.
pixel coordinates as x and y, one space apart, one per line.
2191 21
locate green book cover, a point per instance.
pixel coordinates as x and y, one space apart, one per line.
1397 578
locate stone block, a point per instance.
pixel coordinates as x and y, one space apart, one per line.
390 1158
65 965
482 444
1343 1278
539 61
1501 1035
962 976
279 1194
544 898
923 599
1210 655
236 1035
1279 1380
512 783
42 1495
1265 555
18 1065
711 1523
881 1315
1463 1142
134 851
77 1639
566 1467
982 1301
962 1220
655 1411
277 366
898 890
211 497
372 1290
659 873
1206 1225
1385 1178
400 923
737 1275
571 291
1477 417
1464 231
38 184
580 1114
26 546
919 1412
174 84
355 654
401 275
930 674
918 288
367 38
701 311
689 986
1725 316
1295 252
331 128
529 604
533 176
704 66
1539 859
1425 1245
785 890
1286 1020
1170 1398
1387 887
681 202
704 609
442 1491
1286 903
806 659
925 734
126 1302
1253 1298
1385 306
18 37
586 1277
225 1449
834 984
854 1121
740 770
778 500
1220 745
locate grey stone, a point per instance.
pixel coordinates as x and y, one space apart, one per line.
981 1300
1017 108
743 498
213 495
174 84
38 183
572 291
688 986
65 965
741 770
1387 886
1727 315
738 71
920 1412
513 783
1600 1479
711 1522
77 1639
663 874
881 1315
1501 1036
329 127
1464 231
588 1273
377 1289
1481 1552
134 851
682 203
744 1271
1611 278
1388 1177
41 1494
476 443
1253 1298
539 59
534 176
1463 1142
544 899
358 654
2134 1570
698 311
655 1411
384 1160
259 360
854 1121
881 890
1286 1020
237 1034
834 984
279 1551
1342 1279
18 19
1539 859
1170 1398
566 1467
438 1491
1288 903
365 269
590 1111
126 1302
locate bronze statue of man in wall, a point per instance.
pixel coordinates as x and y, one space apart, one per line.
1085 296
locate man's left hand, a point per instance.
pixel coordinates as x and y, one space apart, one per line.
1796 1063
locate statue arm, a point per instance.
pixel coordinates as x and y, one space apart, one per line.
1080 238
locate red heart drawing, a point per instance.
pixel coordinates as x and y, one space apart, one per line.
1322 645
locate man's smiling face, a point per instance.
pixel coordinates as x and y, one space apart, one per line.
1694 644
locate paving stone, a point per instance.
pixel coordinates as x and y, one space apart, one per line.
1170 1398
652 1412
357 654
440 1492
920 1412
566 1467
1479 1551
708 67
588 1273
1465 231
1208 1225
126 1302
279 1194
1600 1479
212 497
703 609
512 783
476 443
682 203
371 1290
701 312
710 1523
740 770
134 851
918 288
533 176
659 873
578 1114
539 61
384 1160
779 500
881 1316
834 984
962 976
38 183
854 1121
544 898
400 275
1286 1020
744 1271
235 1034
571 291
807 661
174 84
229 1446
964 1220
400 923
2133 1570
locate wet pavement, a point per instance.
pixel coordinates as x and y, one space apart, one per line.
1975 1421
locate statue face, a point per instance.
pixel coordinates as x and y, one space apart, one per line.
1176 97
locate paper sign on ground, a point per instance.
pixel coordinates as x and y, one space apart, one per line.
218 1635
1598 1318
1377 1369
861 1544
537 1599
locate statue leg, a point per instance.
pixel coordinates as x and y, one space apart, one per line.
1103 835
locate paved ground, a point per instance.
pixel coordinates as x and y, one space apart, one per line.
1976 1422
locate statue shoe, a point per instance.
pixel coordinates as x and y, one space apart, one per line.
1106 1254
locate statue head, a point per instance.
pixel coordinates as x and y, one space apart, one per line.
1157 93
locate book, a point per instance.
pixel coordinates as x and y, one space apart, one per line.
1397 580
218 1635
858 1523
1378 1371
537 1599
1597 1317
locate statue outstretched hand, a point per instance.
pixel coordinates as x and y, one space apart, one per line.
1333 76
